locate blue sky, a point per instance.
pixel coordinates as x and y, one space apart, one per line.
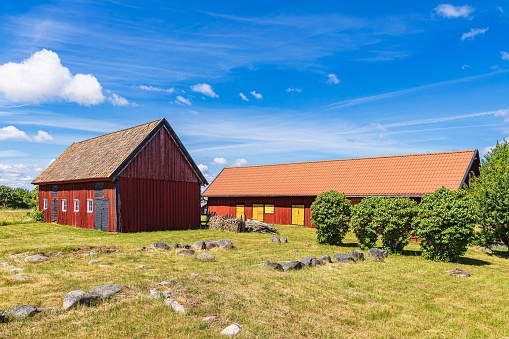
253 83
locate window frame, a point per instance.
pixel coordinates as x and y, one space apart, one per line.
90 205
64 205
76 205
273 209
45 204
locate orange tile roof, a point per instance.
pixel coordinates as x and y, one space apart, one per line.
401 175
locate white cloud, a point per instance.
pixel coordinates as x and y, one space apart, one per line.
473 32
203 168
42 137
181 100
332 79
504 55
503 113
156 89
205 89
17 175
243 97
42 78
240 162
256 95
465 66
11 132
379 127
500 9
117 100
210 177
451 11
219 161
298 90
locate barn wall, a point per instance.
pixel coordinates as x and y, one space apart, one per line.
282 207
156 205
81 191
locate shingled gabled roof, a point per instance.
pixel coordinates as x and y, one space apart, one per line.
403 175
105 156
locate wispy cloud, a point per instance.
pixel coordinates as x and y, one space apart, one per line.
12 153
205 89
332 79
504 55
473 32
256 95
156 89
243 97
450 11
182 101
292 89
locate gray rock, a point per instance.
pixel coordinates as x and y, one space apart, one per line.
273 265
177 307
210 319
93 254
377 253
77 297
36 258
19 277
283 240
342 258
211 244
232 329
106 291
356 255
205 256
311 261
194 274
20 312
58 254
160 246
142 267
459 272
326 259
93 261
158 294
185 252
141 248
16 270
186 245
199 245
292 265
275 240
175 245
225 244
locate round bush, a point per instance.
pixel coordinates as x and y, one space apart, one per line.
364 226
445 224
395 219
330 213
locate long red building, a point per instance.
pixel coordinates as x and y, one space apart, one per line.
283 193
137 179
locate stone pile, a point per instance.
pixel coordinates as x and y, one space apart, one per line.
459 272
216 223
276 240
259 227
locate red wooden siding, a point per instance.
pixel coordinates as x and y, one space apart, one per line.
82 192
161 159
282 207
153 205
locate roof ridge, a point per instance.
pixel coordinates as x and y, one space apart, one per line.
125 129
351 159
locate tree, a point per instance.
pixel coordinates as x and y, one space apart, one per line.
363 221
330 213
445 224
395 219
491 193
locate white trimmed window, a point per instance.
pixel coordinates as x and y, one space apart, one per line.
90 206
45 204
76 205
64 205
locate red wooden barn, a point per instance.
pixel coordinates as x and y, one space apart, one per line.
137 179
283 193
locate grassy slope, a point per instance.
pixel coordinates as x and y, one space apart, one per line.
401 297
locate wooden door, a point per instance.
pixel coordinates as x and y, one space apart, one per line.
54 210
258 212
101 217
298 215
239 211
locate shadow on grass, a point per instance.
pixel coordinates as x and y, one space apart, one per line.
412 253
350 244
473 262
499 254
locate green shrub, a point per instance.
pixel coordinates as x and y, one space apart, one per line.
364 226
445 224
330 213
36 215
395 219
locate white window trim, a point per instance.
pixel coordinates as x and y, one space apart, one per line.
90 206
64 205
45 204
76 205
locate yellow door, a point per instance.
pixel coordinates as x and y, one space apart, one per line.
239 211
258 212
298 215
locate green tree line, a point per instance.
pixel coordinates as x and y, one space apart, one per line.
18 198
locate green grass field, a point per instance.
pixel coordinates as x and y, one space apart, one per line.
404 296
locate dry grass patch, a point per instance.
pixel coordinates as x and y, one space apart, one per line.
405 296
